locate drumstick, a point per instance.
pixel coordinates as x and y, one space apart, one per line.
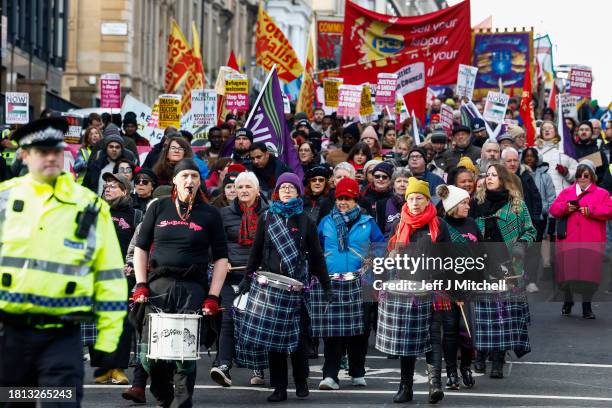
467 326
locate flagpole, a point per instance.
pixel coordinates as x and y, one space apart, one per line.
246 124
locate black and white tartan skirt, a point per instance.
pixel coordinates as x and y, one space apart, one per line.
403 324
500 323
344 316
271 319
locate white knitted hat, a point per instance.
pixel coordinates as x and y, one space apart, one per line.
451 196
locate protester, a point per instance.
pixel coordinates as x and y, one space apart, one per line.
145 183
125 167
130 130
388 209
105 162
388 140
582 210
479 132
359 155
531 195
350 136
175 150
417 160
490 153
307 154
228 191
316 189
381 188
462 147
585 145
266 167
345 235
91 136
294 251
242 145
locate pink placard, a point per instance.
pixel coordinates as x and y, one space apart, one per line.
581 80
385 90
110 91
349 100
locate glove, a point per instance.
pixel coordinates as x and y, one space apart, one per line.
244 285
140 290
561 169
329 296
211 305
102 359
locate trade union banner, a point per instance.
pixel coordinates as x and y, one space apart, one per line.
374 43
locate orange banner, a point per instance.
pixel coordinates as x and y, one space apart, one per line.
272 47
195 76
179 59
306 99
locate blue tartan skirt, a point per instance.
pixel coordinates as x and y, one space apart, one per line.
403 324
344 316
247 355
500 323
271 319
89 333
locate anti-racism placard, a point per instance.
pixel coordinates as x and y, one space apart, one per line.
17 107
110 91
237 93
169 111
330 87
349 100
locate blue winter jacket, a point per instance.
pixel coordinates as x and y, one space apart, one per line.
363 233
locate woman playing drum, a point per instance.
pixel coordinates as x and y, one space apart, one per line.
175 239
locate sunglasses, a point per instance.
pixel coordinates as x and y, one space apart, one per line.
124 170
317 180
585 176
381 177
344 198
144 182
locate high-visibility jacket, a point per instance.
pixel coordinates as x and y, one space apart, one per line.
46 269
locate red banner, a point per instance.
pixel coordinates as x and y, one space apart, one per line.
382 43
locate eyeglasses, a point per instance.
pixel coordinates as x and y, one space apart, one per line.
143 182
317 180
585 176
176 149
124 170
381 177
288 188
415 157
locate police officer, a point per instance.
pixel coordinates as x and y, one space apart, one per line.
59 262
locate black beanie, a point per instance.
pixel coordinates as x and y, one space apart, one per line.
185 164
588 123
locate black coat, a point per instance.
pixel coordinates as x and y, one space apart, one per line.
531 194
584 149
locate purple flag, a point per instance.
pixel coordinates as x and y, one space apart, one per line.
268 124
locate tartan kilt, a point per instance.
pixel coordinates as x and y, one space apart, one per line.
500 323
89 333
271 319
403 324
247 355
344 316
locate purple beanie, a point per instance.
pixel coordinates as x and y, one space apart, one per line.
290 178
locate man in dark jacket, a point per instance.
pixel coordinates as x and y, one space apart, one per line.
586 145
104 161
130 130
266 166
463 147
531 195
243 141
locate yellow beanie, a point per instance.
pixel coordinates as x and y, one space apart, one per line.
417 186
466 162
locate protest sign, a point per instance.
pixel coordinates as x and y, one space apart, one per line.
110 91
330 88
410 78
568 104
349 100
204 107
581 80
169 111
75 126
495 107
224 74
17 107
145 117
237 93
366 101
385 89
466 78
446 119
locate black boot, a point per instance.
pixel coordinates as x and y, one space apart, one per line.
453 380
587 312
301 390
566 310
434 375
467 378
279 394
480 365
497 368
404 393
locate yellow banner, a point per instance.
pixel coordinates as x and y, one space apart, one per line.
330 88
169 111
179 59
366 101
272 47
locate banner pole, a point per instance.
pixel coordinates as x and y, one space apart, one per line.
246 124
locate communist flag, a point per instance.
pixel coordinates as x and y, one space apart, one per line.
195 77
525 110
307 90
179 59
272 47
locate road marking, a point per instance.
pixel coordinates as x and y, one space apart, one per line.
389 392
550 363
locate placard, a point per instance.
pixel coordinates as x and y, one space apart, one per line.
349 100
203 107
446 119
75 126
410 78
110 91
330 88
385 89
567 104
17 107
466 78
495 107
366 101
237 93
169 111
581 80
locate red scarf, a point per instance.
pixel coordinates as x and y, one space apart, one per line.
410 223
248 223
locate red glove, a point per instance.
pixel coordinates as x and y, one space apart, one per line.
211 305
561 169
140 290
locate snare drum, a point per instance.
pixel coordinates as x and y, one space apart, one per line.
344 316
404 318
174 336
271 318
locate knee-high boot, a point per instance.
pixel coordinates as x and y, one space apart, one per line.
404 393
497 368
434 374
